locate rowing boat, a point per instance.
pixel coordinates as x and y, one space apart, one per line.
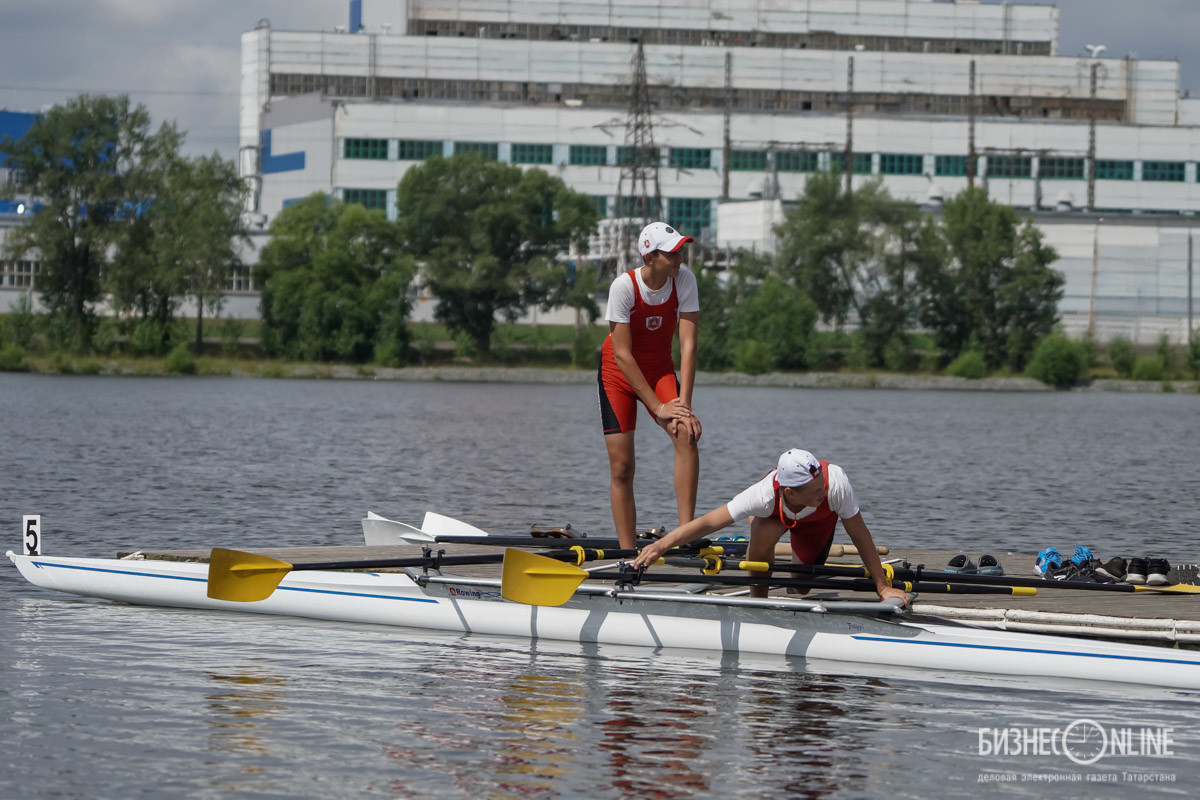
851 632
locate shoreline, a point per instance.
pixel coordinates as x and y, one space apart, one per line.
544 375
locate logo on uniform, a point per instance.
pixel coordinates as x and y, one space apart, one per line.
645 242
653 323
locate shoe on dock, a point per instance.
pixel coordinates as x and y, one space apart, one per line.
1157 571
988 565
1136 573
1113 568
961 564
1047 559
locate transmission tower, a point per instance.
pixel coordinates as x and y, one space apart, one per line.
639 200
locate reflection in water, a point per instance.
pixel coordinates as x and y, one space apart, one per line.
246 700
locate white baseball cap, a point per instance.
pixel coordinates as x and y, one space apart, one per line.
796 468
661 236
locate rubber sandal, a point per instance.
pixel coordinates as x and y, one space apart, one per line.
988 565
961 564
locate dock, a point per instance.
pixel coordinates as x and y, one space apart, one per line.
1144 616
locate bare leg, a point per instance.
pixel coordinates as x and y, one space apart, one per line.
620 486
687 471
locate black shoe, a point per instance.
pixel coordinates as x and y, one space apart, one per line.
1098 572
1157 571
1062 572
1137 571
1114 568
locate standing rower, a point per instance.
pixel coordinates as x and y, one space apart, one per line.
645 306
801 496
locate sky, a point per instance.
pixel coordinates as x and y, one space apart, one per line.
181 59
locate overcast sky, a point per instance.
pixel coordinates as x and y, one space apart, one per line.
181 59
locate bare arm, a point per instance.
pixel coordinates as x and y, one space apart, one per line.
689 324
698 528
861 536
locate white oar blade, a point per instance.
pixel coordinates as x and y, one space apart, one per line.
439 525
379 530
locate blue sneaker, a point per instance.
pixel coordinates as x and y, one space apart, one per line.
1047 559
1082 555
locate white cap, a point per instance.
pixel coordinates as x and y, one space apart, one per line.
796 468
661 236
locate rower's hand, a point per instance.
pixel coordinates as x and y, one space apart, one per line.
674 408
649 554
892 592
688 426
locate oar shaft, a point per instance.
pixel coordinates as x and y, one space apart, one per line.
590 542
589 554
955 577
859 585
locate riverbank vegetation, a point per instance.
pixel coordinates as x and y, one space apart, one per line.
862 281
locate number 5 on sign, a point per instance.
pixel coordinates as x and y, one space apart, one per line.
31 534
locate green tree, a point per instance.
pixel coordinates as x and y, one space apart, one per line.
79 158
780 317
1193 355
334 281
996 285
183 240
856 255
1058 361
1122 356
488 235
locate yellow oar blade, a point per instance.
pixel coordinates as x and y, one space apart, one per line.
243 577
536 580
1176 588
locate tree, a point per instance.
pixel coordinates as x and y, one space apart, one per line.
334 281
488 235
182 241
996 289
78 159
856 254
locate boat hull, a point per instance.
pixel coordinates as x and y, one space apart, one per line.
786 628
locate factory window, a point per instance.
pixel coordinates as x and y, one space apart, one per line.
1010 167
950 166
589 155
691 157
1166 171
19 274
368 198
1114 170
630 156
862 162
796 161
689 214
532 153
375 149
1063 168
240 279
601 202
489 150
901 164
748 160
419 149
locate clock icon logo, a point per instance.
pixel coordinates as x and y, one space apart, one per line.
1085 741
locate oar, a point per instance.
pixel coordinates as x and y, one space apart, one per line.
247 577
538 581
985 580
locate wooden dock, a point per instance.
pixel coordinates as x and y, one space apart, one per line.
1139 616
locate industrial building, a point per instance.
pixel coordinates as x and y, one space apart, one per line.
1102 151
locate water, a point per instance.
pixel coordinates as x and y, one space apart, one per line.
104 700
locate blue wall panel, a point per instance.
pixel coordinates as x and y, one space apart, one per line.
14 124
284 162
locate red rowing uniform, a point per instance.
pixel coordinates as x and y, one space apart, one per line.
811 535
651 330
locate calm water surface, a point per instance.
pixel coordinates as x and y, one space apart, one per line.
104 700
